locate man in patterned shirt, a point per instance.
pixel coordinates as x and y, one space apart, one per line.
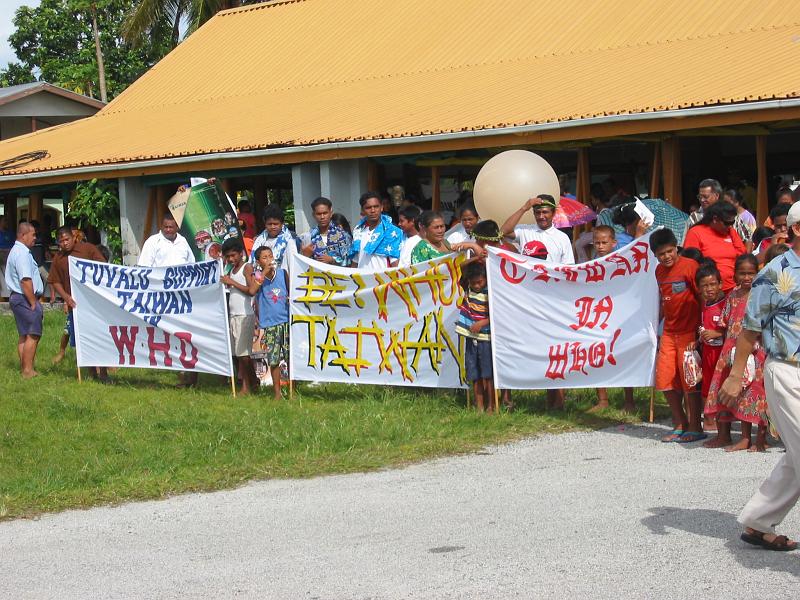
773 312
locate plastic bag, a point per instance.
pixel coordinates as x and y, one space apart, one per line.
692 373
749 368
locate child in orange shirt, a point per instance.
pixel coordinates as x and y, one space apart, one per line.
681 312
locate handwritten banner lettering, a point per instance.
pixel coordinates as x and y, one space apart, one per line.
163 318
395 327
571 326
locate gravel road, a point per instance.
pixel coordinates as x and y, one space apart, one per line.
608 514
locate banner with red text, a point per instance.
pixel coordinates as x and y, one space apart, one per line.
570 326
152 318
394 327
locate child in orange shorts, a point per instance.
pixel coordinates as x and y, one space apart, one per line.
680 310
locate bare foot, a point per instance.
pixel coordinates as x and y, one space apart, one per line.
30 375
629 408
758 447
717 442
742 444
598 407
58 358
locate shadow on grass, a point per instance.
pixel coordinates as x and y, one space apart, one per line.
722 526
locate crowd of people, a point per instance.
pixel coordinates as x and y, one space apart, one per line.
728 343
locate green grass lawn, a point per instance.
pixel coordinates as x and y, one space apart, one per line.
70 445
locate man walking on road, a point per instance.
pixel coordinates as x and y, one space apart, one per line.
26 285
773 311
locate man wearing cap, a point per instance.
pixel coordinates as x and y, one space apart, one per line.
541 240
545 242
773 313
26 286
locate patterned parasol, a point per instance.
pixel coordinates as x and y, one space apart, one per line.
570 212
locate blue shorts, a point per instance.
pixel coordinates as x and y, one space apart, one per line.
69 329
29 322
478 359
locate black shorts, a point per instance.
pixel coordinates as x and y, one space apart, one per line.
478 359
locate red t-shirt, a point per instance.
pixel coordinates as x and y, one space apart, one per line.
249 220
712 316
680 308
722 249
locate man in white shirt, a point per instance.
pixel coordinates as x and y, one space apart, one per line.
407 221
545 242
167 248
541 240
26 285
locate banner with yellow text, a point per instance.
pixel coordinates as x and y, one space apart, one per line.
394 327
570 326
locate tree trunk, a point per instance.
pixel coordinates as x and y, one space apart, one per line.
101 69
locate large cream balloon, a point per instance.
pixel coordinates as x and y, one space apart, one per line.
507 180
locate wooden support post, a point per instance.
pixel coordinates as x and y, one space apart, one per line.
762 197
233 386
652 404
149 214
291 390
655 172
671 157
35 206
468 399
496 401
79 376
162 198
583 180
373 176
436 191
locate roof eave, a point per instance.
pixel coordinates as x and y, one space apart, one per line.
75 173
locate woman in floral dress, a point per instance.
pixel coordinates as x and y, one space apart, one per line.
751 407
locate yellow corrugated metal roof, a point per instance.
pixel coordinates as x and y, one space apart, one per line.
306 72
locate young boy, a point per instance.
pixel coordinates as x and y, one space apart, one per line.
604 241
681 313
709 284
272 301
239 281
473 324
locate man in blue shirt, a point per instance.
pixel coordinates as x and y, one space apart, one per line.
773 313
25 283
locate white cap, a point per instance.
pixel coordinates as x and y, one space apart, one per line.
794 214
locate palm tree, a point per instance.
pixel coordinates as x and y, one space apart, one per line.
150 13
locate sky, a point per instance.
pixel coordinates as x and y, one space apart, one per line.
7 10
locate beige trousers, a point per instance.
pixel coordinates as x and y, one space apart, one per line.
781 490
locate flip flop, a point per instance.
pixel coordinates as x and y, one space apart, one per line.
779 544
673 437
688 437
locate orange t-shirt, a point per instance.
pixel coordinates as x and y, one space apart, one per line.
722 249
680 307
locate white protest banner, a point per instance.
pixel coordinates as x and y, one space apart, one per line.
160 318
393 327
572 326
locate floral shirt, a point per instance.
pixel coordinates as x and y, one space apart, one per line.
336 244
424 251
773 307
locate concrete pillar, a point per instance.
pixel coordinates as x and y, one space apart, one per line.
343 181
305 187
132 210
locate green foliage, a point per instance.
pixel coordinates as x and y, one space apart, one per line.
54 43
96 203
69 445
